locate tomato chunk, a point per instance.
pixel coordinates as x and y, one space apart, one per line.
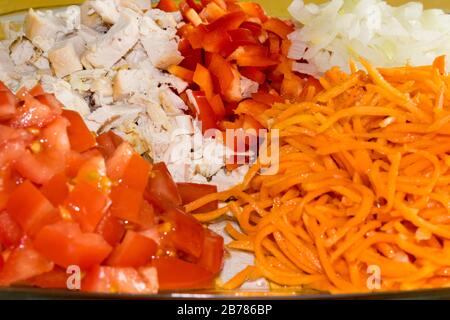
191 191
23 263
33 114
81 139
135 251
161 190
213 251
57 189
188 235
136 173
120 280
126 203
8 103
111 229
35 212
54 279
10 232
65 244
87 205
118 162
175 274
107 143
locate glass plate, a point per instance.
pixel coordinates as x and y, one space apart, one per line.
277 8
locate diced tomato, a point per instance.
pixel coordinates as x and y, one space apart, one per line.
111 228
37 90
176 274
107 143
93 172
3 87
57 189
8 103
190 192
213 251
35 212
54 279
120 280
23 263
118 162
135 251
81 139
146 216
50 100
279 27
136 173
126 203
65 244
167 5
161 190
87 205
1 262
188 235
10 232
54 137
33 114
76 160
41 167
205 113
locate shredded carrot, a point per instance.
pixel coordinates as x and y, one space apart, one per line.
363 181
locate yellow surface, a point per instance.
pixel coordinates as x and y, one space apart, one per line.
274 7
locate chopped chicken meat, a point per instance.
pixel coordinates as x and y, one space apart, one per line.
64 59
113 45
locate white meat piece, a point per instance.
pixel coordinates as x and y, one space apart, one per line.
213 158
129 82
248 87
165 20
64 59
6 67
88 35
226 180
163 78
136 56
111 116
44 28
106 9
22 50
136 5
65 94
113 45
161 46
41 63
172 103
90 19
184 125
103 91
70 18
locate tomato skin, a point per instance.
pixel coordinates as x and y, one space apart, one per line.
87 205
111 229
213 251
102 279
23 263
118 162
135 251
33 114
65 244
176 274
54 279
126 203
8 103
35 212
161 190
136 173
188 235
107 143
81 139
57 189
190 192
10 231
